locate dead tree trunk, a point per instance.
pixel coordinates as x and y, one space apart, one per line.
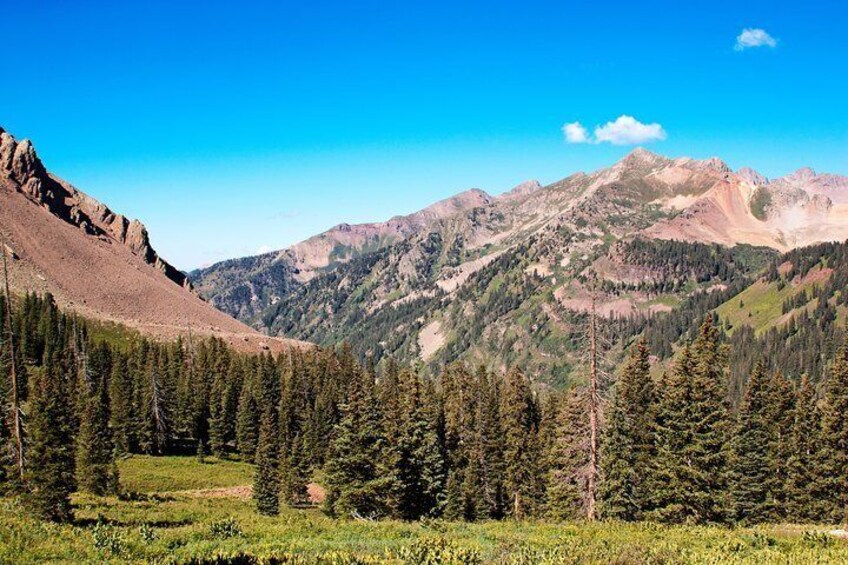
594 402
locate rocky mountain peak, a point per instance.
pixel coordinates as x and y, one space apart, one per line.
715 164
19 160
522 189
752 177
22 171
804 174
640 159
472 194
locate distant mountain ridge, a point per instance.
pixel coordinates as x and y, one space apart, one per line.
704 200
502 279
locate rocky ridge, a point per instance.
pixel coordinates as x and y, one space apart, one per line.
96 262
24 171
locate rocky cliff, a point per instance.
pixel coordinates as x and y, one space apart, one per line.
97 262
22 170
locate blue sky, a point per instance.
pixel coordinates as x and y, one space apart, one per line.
229 127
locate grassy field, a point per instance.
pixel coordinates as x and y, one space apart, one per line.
758 306
761 304
183 510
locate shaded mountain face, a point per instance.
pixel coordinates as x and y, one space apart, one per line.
505 280
245 287
95 261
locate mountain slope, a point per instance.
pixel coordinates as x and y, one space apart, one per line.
794 211
507 282
94 261
245 287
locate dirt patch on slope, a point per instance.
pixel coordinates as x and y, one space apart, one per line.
457 276
430 339
316 493
102 279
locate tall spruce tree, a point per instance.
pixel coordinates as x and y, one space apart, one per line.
156 402
519 415
458 401
266 483
628 446
690 469
751 459
780 412
247 417
484 480
295 417
121 413
416 457
568 459
96 471
803 490
358 471
834 456
50 472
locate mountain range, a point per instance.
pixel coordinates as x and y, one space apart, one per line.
502 280
505 279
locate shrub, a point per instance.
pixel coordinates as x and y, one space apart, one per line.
224 529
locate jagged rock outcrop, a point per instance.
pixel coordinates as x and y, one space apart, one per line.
96 262
23 171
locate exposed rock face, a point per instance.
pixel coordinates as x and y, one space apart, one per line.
23 171
96 262
751 176
799 209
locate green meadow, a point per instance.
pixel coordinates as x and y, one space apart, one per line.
181 510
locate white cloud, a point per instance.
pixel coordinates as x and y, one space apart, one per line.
627 130
575 133
754 37
263 249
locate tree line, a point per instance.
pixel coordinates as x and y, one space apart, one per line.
469 444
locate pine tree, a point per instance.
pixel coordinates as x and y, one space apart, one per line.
219 418
247 421
519 416
484 478
690 470
628 446
50 473
358 477
95 457
294 414
751 471
266 483
121 411
156 414
568 458
458 405
834 457
417 458
780 411
804 503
